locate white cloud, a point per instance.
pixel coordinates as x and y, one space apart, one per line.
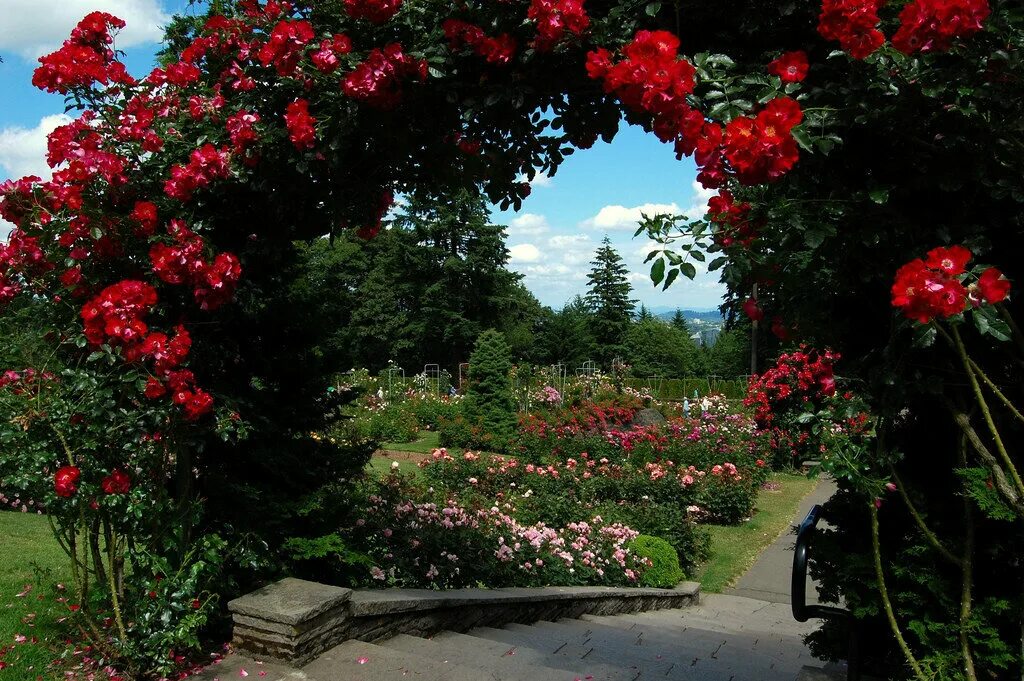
540 181
521 253
620 217
32 28
528 224
23 150
699 204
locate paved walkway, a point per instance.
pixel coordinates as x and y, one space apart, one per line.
769 578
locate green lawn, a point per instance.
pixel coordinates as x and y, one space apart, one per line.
30 557
734 548
424 445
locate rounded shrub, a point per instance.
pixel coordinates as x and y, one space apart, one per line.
664 571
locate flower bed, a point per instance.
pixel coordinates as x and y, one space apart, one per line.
450 544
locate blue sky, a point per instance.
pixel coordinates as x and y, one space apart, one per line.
598 191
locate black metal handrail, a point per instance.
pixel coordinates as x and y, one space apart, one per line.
801 610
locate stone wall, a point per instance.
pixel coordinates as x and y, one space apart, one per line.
295 620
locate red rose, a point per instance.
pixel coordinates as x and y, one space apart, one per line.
752 310
791 67
65 481
993 286
117 482
952 260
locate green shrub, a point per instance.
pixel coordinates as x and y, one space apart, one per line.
664 571
489 395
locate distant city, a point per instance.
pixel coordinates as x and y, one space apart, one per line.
704 325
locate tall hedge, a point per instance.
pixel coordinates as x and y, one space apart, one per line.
489 395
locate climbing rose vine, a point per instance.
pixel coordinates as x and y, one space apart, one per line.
177 196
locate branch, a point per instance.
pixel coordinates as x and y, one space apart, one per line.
1002 485
929 535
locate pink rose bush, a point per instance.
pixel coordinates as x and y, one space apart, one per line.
447 544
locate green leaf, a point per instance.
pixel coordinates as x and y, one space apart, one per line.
803 139
688 270
658 270
879 196
672 275
717 263
653 8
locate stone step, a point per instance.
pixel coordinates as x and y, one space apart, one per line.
503 662
359 661
710 657
778 658
556 654
237 666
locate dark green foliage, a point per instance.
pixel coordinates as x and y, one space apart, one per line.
729 357
565 337
488 401
655 348
664 572
608 301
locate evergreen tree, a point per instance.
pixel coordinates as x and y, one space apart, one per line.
564 337
729 357
679 322
656 348
452 277
489 394
644 314
611 308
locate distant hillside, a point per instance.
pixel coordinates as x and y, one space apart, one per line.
711 316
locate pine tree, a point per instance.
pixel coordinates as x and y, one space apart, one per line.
679 322
644 314
608 291
489 394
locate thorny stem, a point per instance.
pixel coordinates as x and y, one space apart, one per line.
886 603
980 397
967 563
929 535
114 600
1002 485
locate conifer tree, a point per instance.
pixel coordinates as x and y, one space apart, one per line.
489 394
608 297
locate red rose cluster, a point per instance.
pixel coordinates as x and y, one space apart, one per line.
854 23
932 25
326 57
85 58
184 262
374 11
799 376
762 149
285 47
555 19
934 287
65 481
300 124
462 34
20 255
925 25
653 79
378 80
116 315
731 220
206 164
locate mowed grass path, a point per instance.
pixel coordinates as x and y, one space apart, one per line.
29 557
734 548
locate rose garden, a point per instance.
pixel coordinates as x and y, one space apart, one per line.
223 238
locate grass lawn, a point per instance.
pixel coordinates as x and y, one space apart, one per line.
734 548
424 445
30 556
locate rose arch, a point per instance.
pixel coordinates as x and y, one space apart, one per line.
178 382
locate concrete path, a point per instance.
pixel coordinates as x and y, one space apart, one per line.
769 578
